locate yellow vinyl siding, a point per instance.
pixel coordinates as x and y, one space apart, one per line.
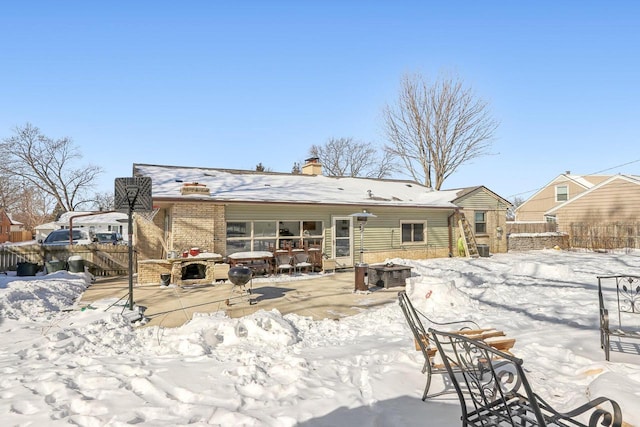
385 232
380 234
535 208
481 200
617 201
495 216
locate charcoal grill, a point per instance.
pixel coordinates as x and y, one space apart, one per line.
239 276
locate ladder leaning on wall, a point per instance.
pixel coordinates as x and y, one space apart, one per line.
468 238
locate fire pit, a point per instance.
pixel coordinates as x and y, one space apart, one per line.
240 276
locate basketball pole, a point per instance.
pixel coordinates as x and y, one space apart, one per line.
132 196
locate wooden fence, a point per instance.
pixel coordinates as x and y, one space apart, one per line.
101 260
20 236
531 227
604 236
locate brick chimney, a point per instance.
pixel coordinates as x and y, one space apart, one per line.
312 166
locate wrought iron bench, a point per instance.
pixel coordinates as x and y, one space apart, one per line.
627 303
493 389
431 366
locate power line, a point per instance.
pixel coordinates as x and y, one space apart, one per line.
593 173
616 167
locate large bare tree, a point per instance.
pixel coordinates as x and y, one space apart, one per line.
346 157
435 127
49 165
34 208
10 191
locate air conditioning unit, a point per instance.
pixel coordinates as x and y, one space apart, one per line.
483 250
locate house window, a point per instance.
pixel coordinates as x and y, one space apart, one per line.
312 234
272 235
481 222
562 193
413 232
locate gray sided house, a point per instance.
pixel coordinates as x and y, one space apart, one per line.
227 211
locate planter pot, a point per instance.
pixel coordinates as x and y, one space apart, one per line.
165 279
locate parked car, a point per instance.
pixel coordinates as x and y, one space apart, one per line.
61 237
109 237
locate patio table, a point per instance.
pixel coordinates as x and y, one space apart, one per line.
255 260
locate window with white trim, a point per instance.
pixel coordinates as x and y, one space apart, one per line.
413 232
562 193
271 235
481 222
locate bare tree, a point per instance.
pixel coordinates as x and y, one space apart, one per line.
102 201
435 128
346 157
10 191
511 212
33 208
49 165
24 202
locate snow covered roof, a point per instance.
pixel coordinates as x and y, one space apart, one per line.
101 218
580 180
13 221
461 192
80 217
249 186
47 226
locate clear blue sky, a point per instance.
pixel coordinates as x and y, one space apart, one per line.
232 84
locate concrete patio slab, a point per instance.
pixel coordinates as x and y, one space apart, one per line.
319 296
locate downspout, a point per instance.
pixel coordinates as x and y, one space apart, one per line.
450 226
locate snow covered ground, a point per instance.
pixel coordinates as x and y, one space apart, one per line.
92 367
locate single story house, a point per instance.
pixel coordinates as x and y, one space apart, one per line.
227 211
9 228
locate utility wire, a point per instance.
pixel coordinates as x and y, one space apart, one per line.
593 173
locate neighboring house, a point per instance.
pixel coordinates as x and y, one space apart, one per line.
8 226
227 211
43 230
614 200
561 189
92 222
583 198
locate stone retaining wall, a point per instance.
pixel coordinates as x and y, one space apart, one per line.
537 241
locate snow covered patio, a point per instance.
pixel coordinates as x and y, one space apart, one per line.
94 368
316 295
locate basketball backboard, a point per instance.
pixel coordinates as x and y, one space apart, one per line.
133 193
